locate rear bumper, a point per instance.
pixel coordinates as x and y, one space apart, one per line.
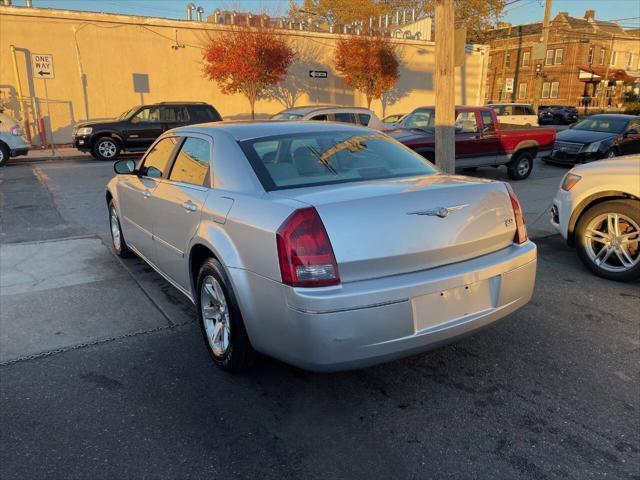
363 323
16 152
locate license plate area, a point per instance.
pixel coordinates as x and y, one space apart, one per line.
454 304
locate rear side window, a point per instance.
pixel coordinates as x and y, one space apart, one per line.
156 161
175 114
364 118
322 158
487 121
466 122
192 162
203 114
344 117
320 118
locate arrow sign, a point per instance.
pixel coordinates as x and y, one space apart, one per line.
318 73
42 66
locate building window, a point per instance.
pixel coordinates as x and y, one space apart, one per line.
602 53
507 60
546 87
522 91
590 57
549 59
614 58
629 59
558 59
525 59
555 86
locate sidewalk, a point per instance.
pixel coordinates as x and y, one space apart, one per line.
46 154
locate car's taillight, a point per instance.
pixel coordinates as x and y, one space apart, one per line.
521 229
15 131
305 252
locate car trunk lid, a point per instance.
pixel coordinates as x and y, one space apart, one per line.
389 227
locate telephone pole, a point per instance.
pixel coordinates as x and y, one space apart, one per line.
445 85
605 89
544 41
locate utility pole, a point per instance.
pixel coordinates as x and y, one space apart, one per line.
605 90
545 42
445 85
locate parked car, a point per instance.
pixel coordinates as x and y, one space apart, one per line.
480 140
327 246
597 137
515 114
332 113
597 210
12 141
391 121
137 128
557 115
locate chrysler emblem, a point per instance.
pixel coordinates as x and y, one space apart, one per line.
441 212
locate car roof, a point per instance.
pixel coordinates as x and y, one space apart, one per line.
510 103
246 130
621 116
305 110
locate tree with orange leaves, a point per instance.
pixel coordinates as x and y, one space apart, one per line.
368 64
247 62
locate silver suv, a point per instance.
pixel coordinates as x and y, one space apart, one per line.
12 142
332 113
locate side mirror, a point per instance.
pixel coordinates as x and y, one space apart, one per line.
124 167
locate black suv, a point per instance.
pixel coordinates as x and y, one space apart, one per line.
136 129
557 114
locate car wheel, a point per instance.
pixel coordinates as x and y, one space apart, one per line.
607 238
610 153
106 148
220 320
520 167
117 238
4 155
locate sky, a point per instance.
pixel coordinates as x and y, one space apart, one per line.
517 12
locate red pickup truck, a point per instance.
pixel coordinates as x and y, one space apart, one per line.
480 140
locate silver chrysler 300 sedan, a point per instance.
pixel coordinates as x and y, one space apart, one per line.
327 246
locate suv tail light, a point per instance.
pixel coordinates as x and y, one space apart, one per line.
15 130
305 252
521 229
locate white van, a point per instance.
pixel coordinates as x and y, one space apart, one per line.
515 114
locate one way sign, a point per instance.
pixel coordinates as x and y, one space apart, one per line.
318 73
42 66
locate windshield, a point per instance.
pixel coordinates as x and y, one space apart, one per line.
126 114
602 124
421 119
286 116
290 161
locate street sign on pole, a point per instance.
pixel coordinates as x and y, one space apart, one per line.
42 66
318 73
508 85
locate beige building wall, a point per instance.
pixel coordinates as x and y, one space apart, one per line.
96 56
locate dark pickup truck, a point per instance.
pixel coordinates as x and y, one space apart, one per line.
480 140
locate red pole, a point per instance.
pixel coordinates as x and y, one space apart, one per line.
43 133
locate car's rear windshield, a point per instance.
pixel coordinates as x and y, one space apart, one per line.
287 116
309 159
602 124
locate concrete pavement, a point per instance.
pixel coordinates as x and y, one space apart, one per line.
126 389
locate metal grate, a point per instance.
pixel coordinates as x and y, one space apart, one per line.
568 147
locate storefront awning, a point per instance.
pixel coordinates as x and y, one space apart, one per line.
589 73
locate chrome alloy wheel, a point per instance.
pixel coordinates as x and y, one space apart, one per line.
215 315
116 236
611 241
524 165
107 148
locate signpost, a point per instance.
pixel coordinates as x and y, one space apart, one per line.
508 85
318 73
42 68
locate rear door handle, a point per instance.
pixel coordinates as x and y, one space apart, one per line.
189 206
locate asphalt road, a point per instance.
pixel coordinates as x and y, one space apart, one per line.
552 392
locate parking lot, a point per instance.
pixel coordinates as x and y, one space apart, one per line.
104 375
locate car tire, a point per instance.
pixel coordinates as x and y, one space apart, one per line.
611 153
4 154
228 344
117 238
106 148
521 166
603 253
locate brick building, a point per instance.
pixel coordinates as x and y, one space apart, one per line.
581 53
